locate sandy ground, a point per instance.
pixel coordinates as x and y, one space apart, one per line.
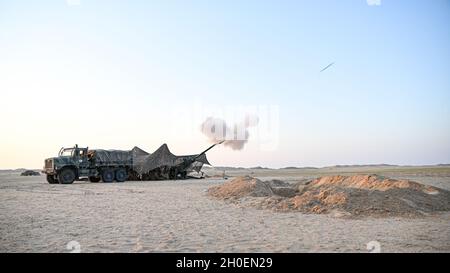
178 216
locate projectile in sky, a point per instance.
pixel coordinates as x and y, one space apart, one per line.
325 68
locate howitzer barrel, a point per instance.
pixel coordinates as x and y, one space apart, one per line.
187 162
212 146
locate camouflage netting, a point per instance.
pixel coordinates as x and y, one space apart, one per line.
161 164
164 158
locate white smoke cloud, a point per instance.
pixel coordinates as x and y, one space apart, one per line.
235 136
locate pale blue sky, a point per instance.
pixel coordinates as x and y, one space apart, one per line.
117 65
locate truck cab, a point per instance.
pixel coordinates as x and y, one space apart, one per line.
69 165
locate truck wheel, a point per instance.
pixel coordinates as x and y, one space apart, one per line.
121 175
66 176
51 179
94 179
108 175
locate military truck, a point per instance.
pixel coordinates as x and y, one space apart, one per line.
76 163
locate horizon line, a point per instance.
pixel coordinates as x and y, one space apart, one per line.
296 167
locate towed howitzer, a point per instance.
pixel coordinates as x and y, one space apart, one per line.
182 168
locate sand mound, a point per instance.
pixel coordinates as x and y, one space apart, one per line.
360 195
369 182
241 187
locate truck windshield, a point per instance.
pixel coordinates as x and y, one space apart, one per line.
67 152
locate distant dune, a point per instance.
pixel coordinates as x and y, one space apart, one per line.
227 168
366 165
260 168
298 168
15 170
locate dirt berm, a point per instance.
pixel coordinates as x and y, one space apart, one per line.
352 196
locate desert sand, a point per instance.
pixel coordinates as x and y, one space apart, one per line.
180 216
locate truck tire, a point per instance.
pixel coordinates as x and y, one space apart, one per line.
94 179
183 175
66 176
51 179
121 175
108 175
